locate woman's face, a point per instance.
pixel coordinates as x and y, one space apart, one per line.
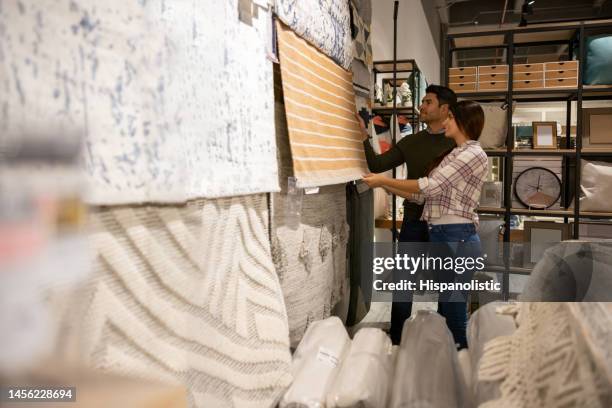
450 126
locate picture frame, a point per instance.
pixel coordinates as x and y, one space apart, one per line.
544 135
596 125
541 235
492 194
592 230
523 136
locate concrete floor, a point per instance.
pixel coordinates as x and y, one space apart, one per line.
380 315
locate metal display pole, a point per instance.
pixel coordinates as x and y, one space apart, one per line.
394 118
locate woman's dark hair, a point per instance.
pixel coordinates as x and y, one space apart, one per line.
469 117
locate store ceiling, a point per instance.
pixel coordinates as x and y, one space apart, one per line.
490 12
463 14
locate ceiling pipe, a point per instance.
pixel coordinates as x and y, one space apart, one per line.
503 17
598 3
442 8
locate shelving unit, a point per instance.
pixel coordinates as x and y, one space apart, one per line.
413 72
508 41
411 69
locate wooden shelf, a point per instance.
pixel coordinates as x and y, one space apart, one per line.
525 211
593 214
495 152
481 93
386 67
552 94
515 270
543 213
400 109
597 87
536 152
491 210
387 223
546 213
588 151
595 151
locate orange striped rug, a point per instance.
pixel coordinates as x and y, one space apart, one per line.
326 142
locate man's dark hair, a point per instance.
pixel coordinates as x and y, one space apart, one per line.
446 96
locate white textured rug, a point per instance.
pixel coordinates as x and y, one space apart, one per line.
309 248
326 24
310 257
174 98
558 357
189 294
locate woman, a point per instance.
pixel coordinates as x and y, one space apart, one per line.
451 192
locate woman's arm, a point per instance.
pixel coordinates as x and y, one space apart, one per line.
402 188
397 192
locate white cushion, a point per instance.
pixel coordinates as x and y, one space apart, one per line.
495 127
364 379
427 372
316 363
596 186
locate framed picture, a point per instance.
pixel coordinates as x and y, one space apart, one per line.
544 135
597 123
541 235
523 136
491 194
594 230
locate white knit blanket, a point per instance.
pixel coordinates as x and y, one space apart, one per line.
558 357
188 294
174 98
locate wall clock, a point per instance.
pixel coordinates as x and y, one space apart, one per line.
537 188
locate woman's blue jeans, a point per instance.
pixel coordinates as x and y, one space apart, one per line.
455 313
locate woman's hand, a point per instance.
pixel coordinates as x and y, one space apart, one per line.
362 126
374 180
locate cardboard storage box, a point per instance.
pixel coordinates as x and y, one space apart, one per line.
463 87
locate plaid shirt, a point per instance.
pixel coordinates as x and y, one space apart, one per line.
454 186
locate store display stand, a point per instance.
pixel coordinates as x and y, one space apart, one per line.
508 40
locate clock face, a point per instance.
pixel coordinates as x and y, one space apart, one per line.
537 188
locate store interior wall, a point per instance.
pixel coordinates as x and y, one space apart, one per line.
415 41
415 38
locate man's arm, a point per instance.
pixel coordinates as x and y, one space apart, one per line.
378 163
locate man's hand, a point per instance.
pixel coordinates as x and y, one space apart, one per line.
374 180
362 126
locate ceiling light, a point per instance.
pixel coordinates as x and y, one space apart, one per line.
530 2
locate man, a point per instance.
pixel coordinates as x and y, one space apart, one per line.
418 151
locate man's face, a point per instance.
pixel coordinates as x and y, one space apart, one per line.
430 110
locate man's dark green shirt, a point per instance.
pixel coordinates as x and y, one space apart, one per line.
417 151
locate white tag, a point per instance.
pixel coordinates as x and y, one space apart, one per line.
327 356
312 190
